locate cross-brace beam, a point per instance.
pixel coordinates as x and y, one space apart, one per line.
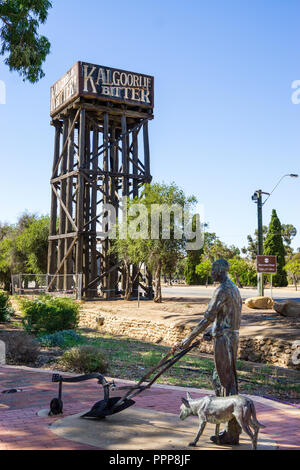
97 151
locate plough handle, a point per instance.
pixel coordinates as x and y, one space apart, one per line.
171 362
166 364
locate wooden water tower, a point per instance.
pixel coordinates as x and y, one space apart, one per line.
101 154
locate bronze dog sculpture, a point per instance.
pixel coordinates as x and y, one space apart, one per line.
217 410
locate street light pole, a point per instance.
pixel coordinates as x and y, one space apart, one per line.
260 222
257 198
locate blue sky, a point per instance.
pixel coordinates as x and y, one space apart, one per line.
224 124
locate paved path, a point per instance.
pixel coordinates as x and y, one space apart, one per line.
22 428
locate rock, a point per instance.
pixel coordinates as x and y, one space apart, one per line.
2 353
288 308
255 357
100 321
259 302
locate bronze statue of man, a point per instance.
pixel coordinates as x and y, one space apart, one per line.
224 311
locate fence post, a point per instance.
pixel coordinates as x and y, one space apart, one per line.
79 286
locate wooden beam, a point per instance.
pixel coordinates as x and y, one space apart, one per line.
95 143
146 149
63 236
53 212
65 144
60 178
87 204
69 204
63 194
124 156
111 269
65 209
80 195
113 111
62 263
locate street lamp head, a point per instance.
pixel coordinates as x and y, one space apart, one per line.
293 175
254 197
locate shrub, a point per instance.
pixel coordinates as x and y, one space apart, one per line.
84 359
5 308
63 339
21 348
48 314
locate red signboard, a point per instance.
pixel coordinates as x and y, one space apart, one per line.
266 264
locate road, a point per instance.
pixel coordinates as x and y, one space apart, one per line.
202 291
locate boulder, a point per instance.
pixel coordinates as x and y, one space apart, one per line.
259 302
288 308
100 321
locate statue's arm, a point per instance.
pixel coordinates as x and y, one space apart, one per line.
202 325
209 316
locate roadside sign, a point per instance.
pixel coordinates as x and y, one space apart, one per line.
140 291
266 264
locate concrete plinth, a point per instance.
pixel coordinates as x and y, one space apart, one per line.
143 429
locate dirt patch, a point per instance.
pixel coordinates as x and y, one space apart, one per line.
187 312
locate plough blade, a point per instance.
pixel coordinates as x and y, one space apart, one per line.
104 408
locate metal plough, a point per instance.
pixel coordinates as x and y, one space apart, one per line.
111 405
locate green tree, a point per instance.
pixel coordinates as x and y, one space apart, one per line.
11 259
216 249
221 250
293 270
131 253
4 230
23 247
193 258
24 48
288 233
212 249
237 267
180 268
296 256
169 268
274 246
252 248
203 269
242 272
6 265
157 254
33 243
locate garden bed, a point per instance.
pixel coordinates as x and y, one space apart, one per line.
129 356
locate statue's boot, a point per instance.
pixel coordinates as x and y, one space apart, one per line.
230 435
225 438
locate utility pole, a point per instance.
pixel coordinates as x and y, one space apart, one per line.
257 198
260 278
